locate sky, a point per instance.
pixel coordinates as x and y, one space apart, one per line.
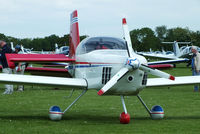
40 18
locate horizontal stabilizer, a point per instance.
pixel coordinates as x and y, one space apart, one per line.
183 80
43 81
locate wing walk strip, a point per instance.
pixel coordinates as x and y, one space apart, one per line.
43 81
183 80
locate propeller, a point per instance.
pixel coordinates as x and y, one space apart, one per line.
131 64
113 80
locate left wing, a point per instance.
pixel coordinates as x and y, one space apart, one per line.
179 60
43 81
183 80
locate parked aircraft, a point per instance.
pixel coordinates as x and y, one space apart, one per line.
178 53
106 64
62 50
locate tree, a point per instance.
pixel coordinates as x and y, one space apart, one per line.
161 32
195 38
178 34
144 39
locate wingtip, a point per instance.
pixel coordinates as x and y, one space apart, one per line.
172 77
100 92
124 21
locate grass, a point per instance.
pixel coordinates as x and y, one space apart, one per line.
27 112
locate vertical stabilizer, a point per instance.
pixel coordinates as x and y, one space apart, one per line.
74 34
12 46
22 48
56 49
176 49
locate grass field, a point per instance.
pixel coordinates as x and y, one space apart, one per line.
27 112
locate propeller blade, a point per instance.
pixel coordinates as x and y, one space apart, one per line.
133 61
127 37
156 72
113 80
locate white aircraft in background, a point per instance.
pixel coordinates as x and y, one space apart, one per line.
26 50
178 53
106 64
62 50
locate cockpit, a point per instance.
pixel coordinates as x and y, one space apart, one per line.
100 43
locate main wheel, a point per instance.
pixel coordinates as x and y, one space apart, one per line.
157 112
124 118
55 113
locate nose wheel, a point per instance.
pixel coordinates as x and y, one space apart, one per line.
124 116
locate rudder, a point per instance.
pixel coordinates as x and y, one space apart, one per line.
74 38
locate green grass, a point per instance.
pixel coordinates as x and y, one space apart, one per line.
27 112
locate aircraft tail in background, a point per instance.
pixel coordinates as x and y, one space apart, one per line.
74 34
12 46
56 48
176 48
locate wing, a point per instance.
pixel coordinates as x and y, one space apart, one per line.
180 60
46 71
38 58
184 80
161 56
43 81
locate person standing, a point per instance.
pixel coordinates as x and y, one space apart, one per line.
5 68
19 67
195 63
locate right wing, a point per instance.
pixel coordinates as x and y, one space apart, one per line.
182 80
43 81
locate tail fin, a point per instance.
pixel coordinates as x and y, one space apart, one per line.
176 49
22 48
74 34
12 46
56 49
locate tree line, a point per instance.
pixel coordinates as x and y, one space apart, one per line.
142 39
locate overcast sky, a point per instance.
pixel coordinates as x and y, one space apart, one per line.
40 18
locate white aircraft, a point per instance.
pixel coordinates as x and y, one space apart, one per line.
62 50
26 50
178 53
106 64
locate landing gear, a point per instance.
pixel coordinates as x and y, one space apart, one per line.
55 112
124 116
156 111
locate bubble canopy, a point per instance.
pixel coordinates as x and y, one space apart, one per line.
99 43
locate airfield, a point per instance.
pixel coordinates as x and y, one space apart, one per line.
27 112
